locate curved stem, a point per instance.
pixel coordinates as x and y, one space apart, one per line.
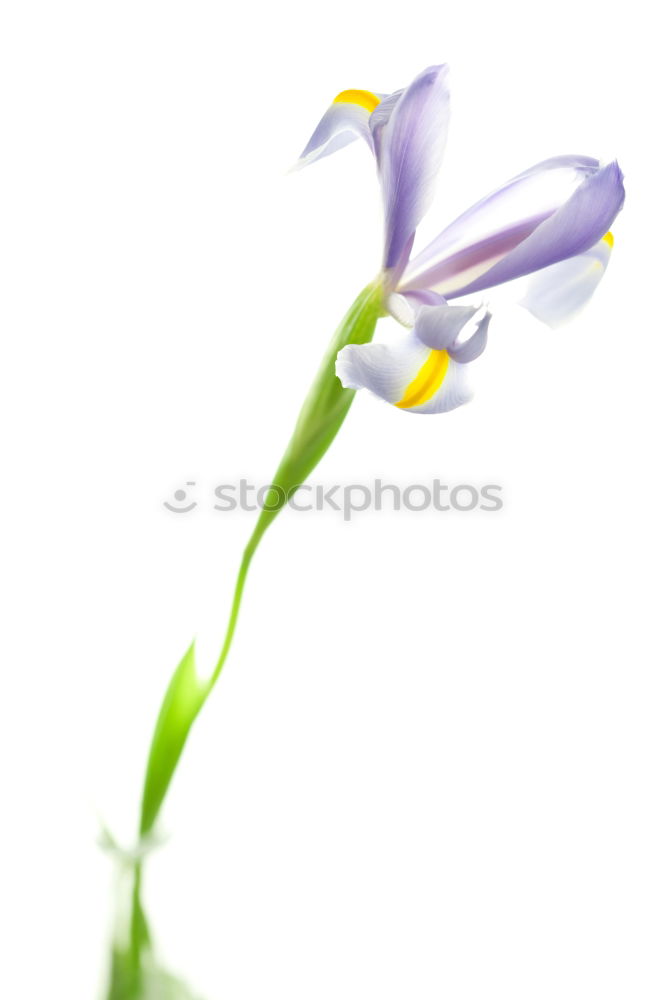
320 419
248 552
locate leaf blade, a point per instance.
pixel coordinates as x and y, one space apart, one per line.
182 703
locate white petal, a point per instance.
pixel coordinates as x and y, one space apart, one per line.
343 122
558 293
405 373
402 308
453 392
384 369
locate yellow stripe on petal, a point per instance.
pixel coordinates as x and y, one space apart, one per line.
609 239
364 98
427 382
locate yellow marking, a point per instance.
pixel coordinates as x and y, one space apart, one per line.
427 382
364 98
609 239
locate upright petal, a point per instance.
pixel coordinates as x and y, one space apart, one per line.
406 373
486 233
557 293
412 146
379 119
347 118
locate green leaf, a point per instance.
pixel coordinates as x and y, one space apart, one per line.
134 972
182 703
147 982
320 418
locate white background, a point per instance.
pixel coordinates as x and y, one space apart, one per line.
434 766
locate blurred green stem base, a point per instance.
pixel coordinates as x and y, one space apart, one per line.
134 973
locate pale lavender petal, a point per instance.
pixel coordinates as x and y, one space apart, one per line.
388 370
380 117
580 223
558 293
405 306
438 326
384 369
495 225
470 349
412 147
401 308
425 297
343 123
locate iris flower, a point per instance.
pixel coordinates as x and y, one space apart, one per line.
551 222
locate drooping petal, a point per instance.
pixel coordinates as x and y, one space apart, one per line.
557 293
405 373
466 251
464 351
438 326
462 330
412 146
347 118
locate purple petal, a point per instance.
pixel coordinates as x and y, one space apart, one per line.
497 224
412 146
438 326
470 349
379 119
580 223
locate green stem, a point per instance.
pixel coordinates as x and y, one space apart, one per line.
320 419
357 327
249 551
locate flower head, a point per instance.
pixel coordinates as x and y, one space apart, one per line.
551 222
